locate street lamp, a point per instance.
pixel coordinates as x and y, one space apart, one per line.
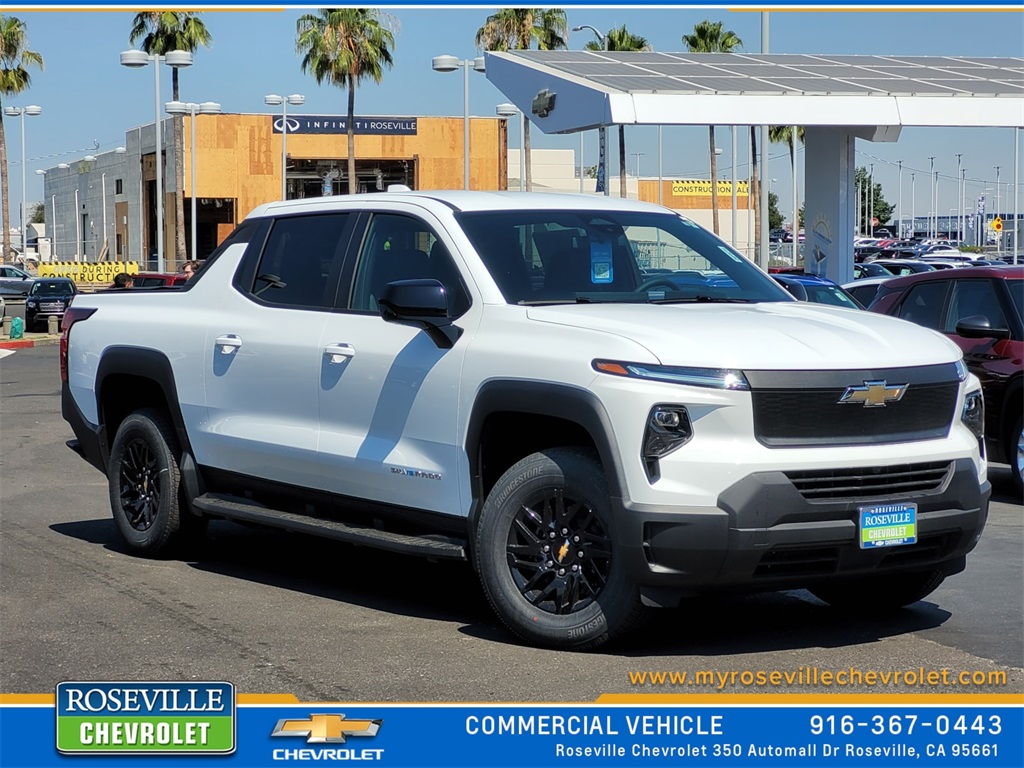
191 108
32 111
505 109
638 155
177 59
602 132
450 64
273 100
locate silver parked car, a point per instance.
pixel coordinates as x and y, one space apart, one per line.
15 281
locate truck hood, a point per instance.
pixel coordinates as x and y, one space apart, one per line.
765 336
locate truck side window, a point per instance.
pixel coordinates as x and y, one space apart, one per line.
404 248
296 264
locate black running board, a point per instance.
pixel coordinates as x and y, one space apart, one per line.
433 546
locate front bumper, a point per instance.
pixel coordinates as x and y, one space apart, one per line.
763 534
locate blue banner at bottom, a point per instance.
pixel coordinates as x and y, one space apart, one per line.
427 735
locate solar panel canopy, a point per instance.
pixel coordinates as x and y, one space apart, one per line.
594 88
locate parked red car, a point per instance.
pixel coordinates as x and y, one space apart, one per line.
157 279
979 308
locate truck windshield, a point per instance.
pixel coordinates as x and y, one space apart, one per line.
544 257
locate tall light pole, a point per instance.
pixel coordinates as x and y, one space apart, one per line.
871 191
192 109
176 59
637 155
899 203
274 100
507 110
913 205
32 111
998 199
52 226
602 132
958 154
931 200
450 64
963 204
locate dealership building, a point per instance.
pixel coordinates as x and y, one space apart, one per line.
104 206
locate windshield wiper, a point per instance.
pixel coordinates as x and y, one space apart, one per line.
703 299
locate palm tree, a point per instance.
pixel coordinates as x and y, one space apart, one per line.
343 47
515 29
779 134
620 40
708 37
15 57
162 32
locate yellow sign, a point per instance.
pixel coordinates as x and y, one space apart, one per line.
702 188
996 224
101 272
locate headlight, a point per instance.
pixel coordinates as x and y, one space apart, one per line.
973 417
30 302
715 378
668 427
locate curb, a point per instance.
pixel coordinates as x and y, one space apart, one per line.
29 343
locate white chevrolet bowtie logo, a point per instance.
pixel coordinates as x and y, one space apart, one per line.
874 394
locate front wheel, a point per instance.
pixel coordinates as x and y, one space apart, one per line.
880 594
144 482
547 557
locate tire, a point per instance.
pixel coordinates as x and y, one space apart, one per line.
548 510
1015 456
145 482
874 594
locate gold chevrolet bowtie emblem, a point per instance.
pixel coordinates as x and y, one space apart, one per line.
874 394
323 729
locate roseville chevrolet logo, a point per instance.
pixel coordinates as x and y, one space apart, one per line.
326 729
874 394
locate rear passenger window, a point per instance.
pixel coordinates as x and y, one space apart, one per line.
924 304
296 265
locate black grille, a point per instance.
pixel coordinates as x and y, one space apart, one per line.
870 482
801 417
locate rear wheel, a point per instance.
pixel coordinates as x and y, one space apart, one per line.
876 593
1015 456
547 555
145 482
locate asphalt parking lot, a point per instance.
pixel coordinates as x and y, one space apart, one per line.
281 613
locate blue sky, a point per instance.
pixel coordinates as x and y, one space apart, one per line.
88 97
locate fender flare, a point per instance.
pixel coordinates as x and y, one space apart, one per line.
560 401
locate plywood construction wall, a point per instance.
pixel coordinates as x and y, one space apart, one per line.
239 156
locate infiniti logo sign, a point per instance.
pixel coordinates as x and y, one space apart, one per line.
293 125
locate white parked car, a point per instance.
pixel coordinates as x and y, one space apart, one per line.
491 377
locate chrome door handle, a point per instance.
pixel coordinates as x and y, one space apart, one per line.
228 343
339 352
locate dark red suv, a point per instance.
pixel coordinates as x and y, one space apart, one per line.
979 308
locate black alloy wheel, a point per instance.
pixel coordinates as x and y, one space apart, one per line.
140 489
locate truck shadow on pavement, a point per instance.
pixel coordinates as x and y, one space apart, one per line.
450 591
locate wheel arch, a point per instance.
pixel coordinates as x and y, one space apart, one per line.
511 419
131 378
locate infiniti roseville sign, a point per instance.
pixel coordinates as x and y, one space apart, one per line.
335 124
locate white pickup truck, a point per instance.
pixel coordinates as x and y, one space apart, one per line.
597 403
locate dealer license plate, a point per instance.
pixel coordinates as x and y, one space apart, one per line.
887 525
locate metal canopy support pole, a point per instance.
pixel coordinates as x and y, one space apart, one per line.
734 181
1016 195
763 245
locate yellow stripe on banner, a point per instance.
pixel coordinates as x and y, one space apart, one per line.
15 699
838 699
266 698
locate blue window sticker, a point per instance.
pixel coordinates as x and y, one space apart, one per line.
601 262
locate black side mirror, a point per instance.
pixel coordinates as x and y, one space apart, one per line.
795 289
422 303
980 327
